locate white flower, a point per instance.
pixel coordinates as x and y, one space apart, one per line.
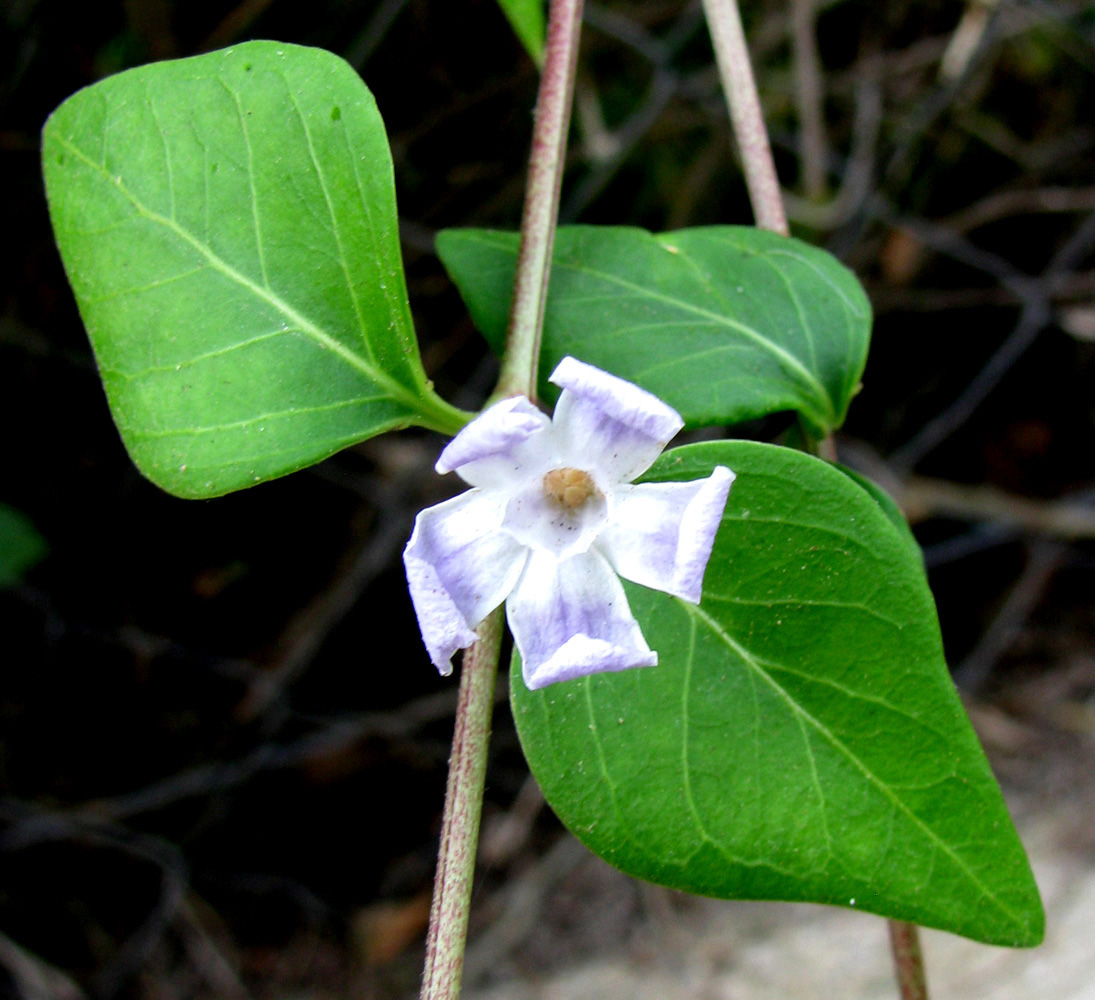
552 519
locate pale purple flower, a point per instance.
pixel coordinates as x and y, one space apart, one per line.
553 520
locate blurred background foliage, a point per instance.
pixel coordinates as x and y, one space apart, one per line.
222 748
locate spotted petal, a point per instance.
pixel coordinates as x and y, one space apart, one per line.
662 533
459 568
570 618
608 423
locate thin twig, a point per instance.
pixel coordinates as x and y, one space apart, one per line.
921 498
967 36
306 632
30 976
664 86
1077 289
855 185
1035 316
522 902
732 57
809 99
908 960
662 89
28 830
1044 560
1033 201
460 822
508 835
211 779
206 958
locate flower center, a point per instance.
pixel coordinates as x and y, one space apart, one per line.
570 488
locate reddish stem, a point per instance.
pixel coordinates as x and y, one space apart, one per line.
732 56
545 178
908 961
448 931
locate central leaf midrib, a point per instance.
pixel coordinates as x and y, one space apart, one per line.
837 744
299 320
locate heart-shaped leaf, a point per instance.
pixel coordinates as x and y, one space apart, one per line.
888 506
801 738
228 225
725 323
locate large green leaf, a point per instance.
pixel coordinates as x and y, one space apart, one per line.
888 506
725 323
801 738
228 224
526 17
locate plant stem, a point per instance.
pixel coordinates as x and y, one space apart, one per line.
443 417
732 56
908 961
447 937
460 821
545 176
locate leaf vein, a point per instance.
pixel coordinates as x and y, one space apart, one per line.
898 805
336 229
788 360
251 185
363 365
249 421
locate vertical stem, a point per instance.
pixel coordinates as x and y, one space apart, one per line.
545 177
908 962
447 937
760 176
460 821
732 56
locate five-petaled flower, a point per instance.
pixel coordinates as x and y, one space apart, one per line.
551 520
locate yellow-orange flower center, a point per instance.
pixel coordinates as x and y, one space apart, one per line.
570 488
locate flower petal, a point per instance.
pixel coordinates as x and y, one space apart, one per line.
570 618
604 421
496 448
459 568
662 533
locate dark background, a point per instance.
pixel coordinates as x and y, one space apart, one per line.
218 777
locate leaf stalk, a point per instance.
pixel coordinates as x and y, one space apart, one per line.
908 960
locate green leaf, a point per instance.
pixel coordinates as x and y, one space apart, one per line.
21 547
228 225
801 738
888 506
725 323
526 17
